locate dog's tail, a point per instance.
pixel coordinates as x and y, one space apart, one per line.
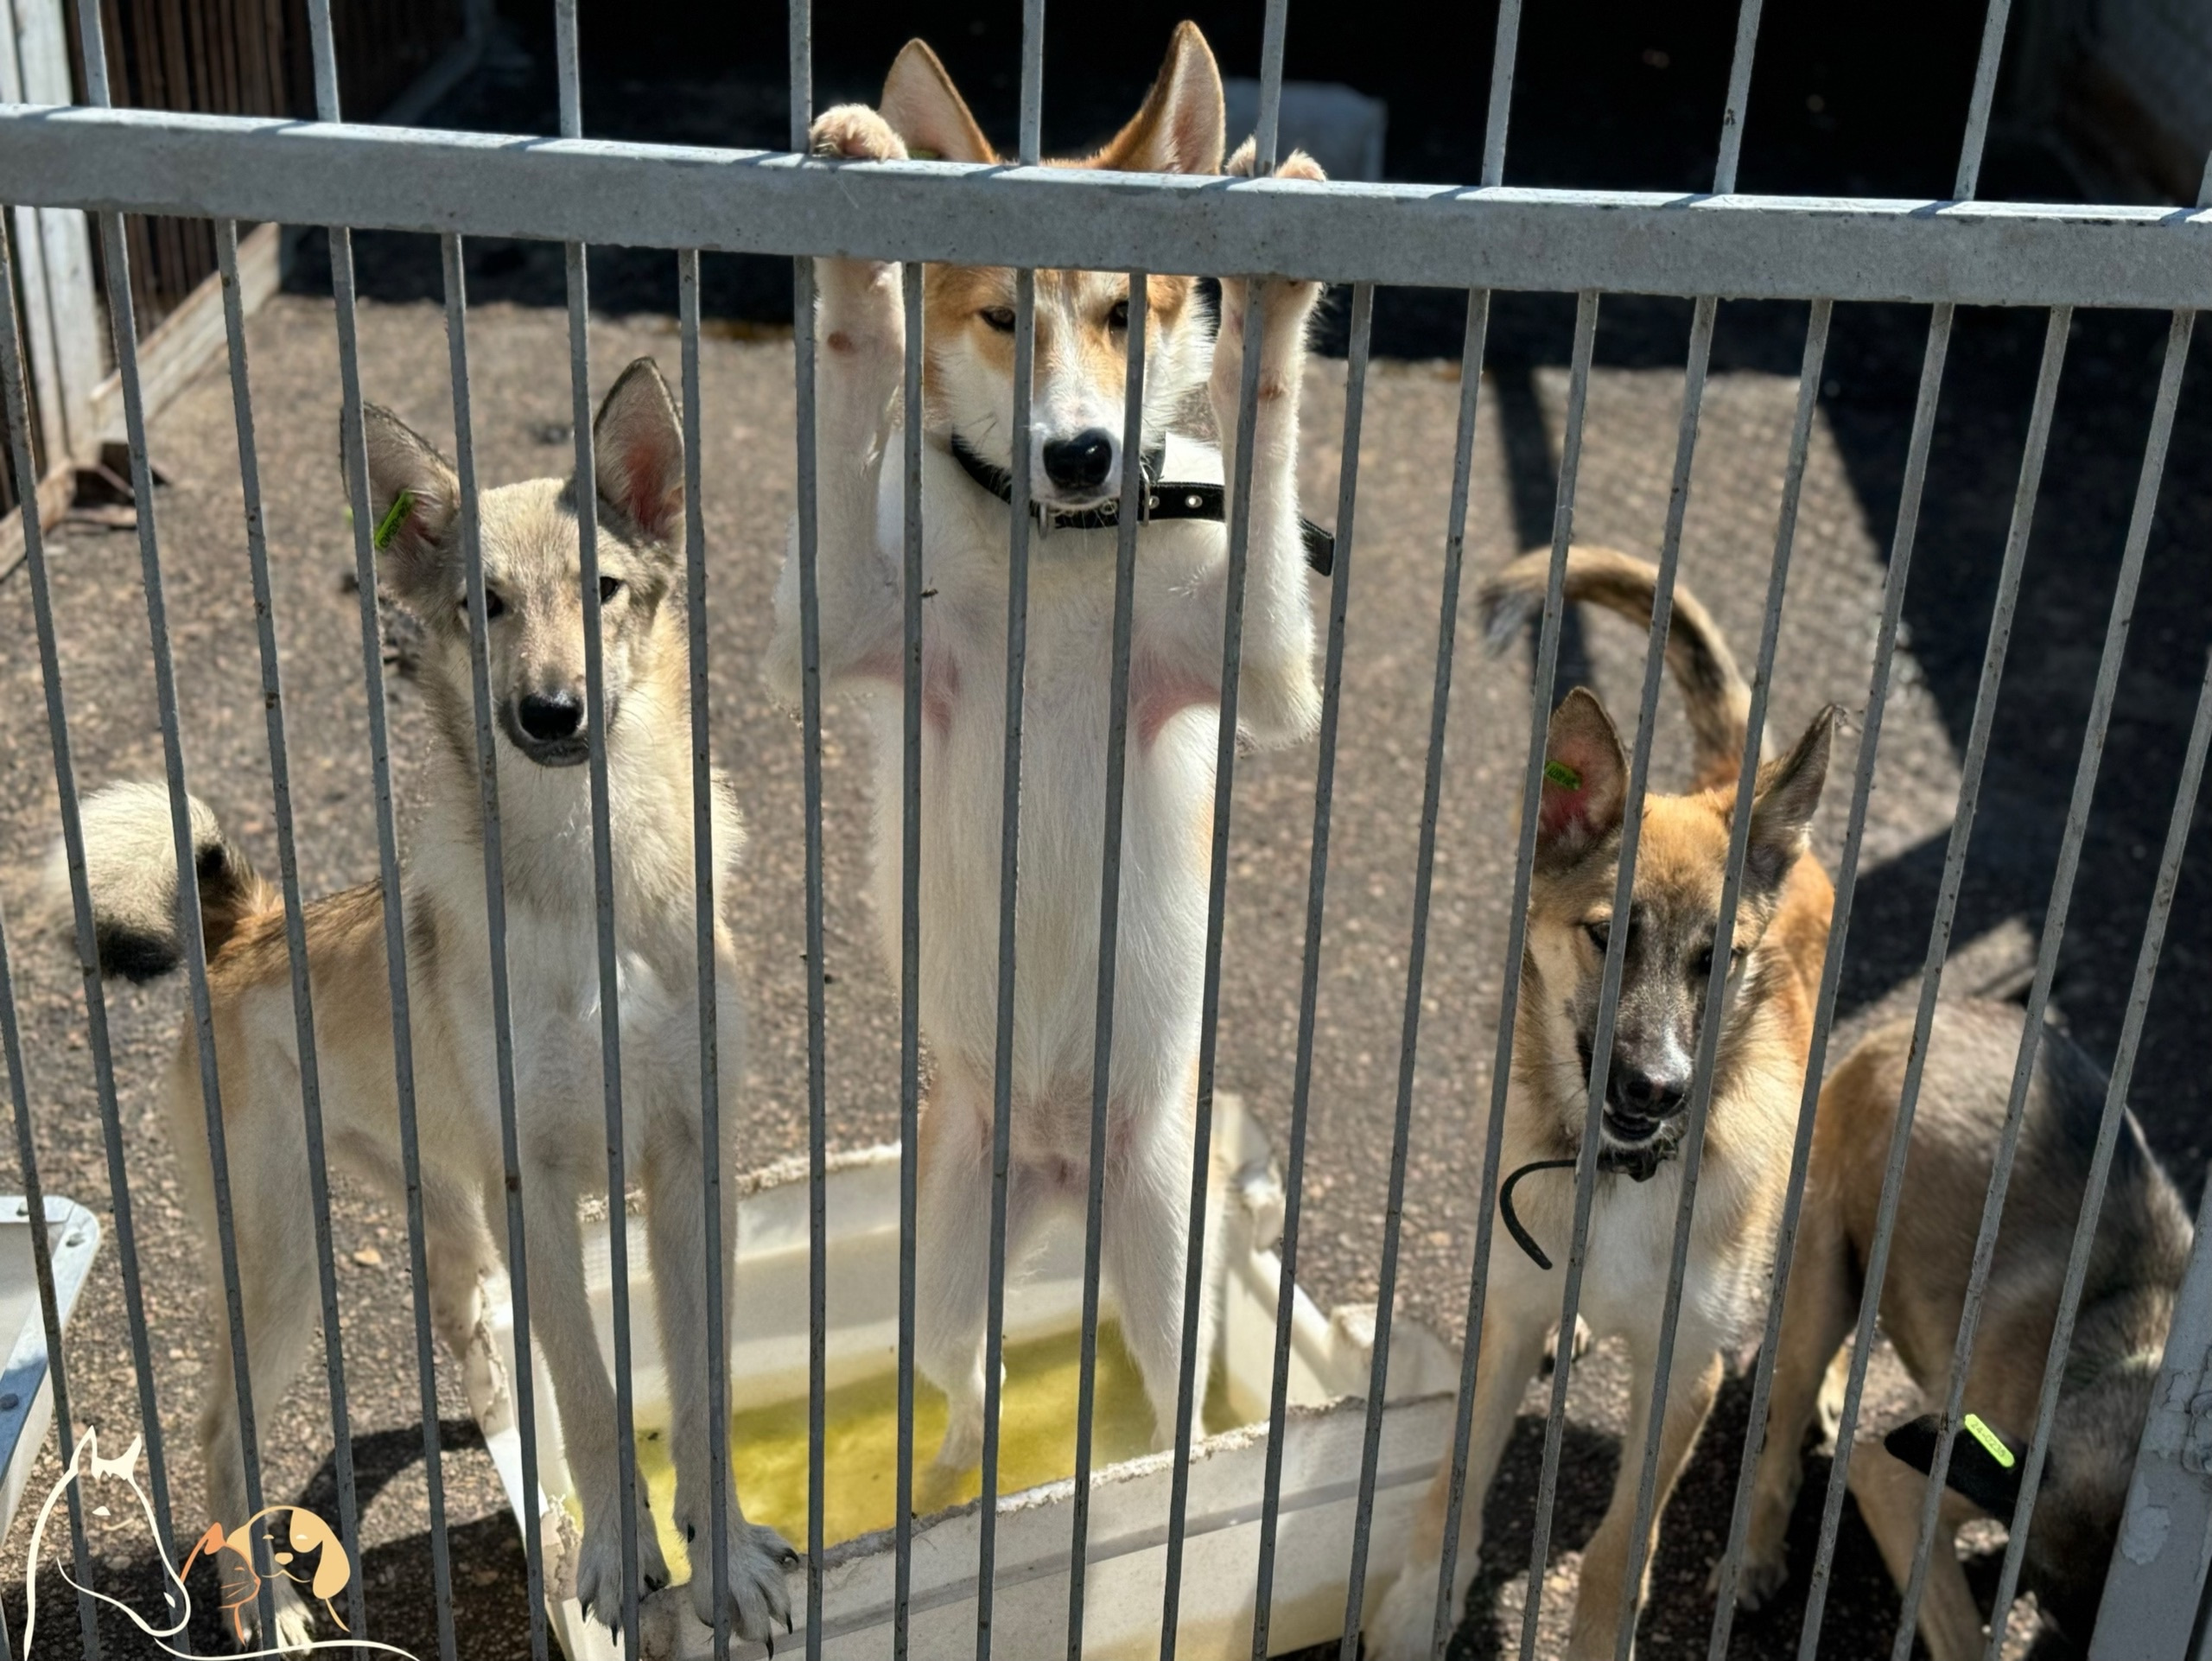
131 869
1719 699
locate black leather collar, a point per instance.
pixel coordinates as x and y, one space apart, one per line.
1162 500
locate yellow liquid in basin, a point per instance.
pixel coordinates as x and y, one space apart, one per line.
861 1427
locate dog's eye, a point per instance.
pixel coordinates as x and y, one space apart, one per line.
608 588
1118 319
493 604
998 317
1600 932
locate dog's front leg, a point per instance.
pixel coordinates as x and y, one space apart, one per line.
561 1324
1278 701
1602 1603
676 1217
860 336
1399 1624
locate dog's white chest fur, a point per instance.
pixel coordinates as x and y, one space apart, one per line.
1172 732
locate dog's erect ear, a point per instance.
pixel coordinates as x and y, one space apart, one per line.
1788 795
927 112
1985 1462
1584 780
638 451
410 533
1180 128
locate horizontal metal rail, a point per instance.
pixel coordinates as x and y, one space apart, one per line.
645 195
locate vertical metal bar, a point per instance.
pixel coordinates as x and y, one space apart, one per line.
72 840
1439 712
1301 1095
1808 387
1693 1157
1033 80
1017 658
704 916
2008 588
1985 93
64 1421
1504 45
1885 641
602 843
325 62
1191 1364
1601 1040
15 405
523 1382
1701 349
809 623
2116 632
1739 98
1268 140
122 318
295 935
910 954
1128 517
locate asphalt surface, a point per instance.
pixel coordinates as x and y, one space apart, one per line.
522 403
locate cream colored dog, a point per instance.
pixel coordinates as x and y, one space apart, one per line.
532 577
1175 692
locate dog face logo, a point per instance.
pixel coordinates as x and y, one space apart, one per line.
309 1556
233 1556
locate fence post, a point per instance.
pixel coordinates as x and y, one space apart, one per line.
2165 1535
54 251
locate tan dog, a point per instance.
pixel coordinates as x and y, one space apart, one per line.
1175 694
1780 933
531 573
2136 1262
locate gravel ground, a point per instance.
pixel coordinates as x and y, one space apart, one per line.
1850 495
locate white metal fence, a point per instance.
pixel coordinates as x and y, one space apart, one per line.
1490 237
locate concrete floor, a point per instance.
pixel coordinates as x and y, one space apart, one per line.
522 405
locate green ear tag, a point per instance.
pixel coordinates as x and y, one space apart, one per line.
1562 775
394 516
1992 1443
922 153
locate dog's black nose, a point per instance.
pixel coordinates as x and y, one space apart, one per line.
551 716
1649 1095
1081 462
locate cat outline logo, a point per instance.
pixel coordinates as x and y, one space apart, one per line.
231 1549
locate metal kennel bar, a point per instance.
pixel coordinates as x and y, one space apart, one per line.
1592 243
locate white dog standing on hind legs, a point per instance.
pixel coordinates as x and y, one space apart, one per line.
533 566
1077 412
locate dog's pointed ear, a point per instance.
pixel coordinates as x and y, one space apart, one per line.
413 497
1180 128
1787 796
1584 780
1985 1462
638 453
927 112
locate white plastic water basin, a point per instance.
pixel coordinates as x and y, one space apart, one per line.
26 1387
1127 1550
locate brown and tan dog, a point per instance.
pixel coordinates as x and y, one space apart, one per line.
1781 933
2135 1268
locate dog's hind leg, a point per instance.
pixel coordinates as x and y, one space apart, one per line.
1889 1493
952 1263
277 1295
1145 1249
756 1556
